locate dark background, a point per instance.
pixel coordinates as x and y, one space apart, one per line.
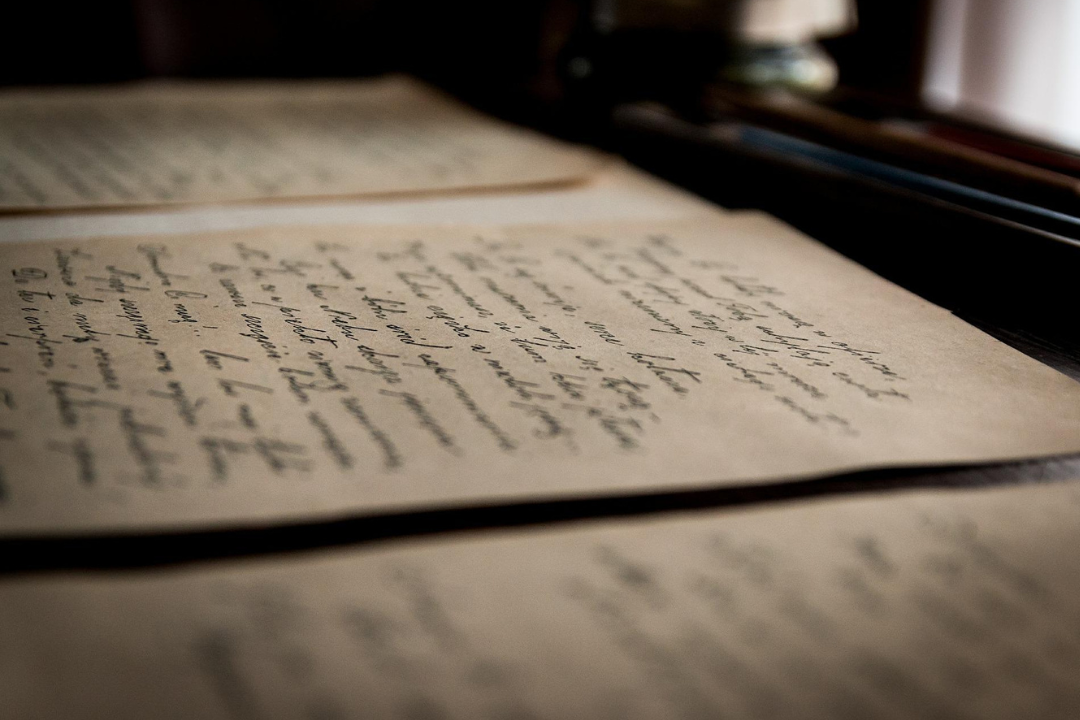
476 46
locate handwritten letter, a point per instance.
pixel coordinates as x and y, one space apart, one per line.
181 143
311 372
941 605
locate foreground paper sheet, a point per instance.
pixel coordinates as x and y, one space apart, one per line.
944 606
184 143
291 373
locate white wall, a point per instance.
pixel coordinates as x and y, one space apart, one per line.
1013 61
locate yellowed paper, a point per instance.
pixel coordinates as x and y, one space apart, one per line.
936 605
283 374
287 374
189 143
616 193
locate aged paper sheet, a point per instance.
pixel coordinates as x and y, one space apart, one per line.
190 143
616 193
299 373
935 605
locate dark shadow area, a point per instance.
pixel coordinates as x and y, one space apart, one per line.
132 550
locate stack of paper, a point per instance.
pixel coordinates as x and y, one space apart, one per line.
586 332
